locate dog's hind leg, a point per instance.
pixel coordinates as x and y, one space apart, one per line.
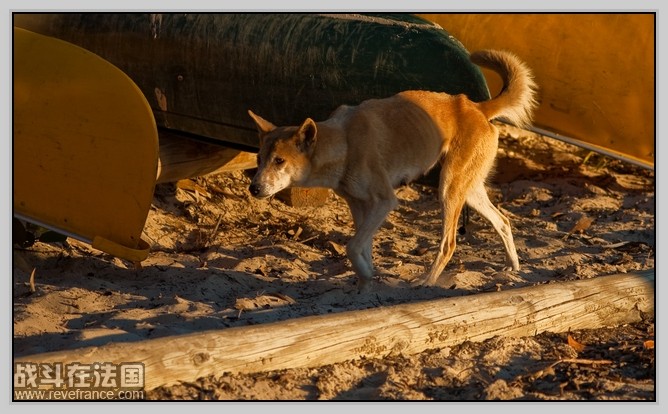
479 201
452 198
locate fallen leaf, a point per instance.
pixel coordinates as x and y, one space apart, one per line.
244 304
581 225
282 297
267 300
421 251
32 280
575 344
337 248
295 233
649 344
225 192
192 186
632 182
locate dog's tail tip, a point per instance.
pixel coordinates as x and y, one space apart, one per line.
517 100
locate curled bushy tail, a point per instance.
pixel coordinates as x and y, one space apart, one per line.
517 99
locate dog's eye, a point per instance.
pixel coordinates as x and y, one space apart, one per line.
279 160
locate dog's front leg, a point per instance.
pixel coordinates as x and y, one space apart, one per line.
359 213
368 216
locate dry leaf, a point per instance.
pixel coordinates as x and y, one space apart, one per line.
244 304
192 186
649 344
161 98
32 280
283 297
267 300
575 344
632 182
421 251
225 192
337 248
581 225
295 233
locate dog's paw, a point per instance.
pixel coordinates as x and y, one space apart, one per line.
364 285
511 268
512 264
423 280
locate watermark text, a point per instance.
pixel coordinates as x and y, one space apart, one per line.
78 381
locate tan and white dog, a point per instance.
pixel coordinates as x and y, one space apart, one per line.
364 152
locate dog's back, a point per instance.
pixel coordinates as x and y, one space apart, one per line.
396 135
409 132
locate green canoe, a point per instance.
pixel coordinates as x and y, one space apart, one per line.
90 91
202 72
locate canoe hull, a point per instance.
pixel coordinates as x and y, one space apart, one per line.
202 72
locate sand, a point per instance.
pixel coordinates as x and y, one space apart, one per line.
221 259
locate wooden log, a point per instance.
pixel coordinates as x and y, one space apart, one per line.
181 157
375 333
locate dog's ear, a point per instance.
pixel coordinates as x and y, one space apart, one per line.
263 126
307 134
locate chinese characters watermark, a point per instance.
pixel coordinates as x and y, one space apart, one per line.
78 381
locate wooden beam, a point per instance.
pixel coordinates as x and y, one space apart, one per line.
181 157
375 333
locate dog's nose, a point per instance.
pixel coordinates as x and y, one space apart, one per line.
254 189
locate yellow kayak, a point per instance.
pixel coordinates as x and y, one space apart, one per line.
85 146
596 73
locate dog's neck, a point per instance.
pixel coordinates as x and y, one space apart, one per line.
328 161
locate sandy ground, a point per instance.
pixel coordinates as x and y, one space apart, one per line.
220 258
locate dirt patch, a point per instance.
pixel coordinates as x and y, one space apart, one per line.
220 258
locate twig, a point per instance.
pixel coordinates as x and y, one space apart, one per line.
215 229
584 361
309 239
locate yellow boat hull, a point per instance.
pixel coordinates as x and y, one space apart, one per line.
85 146
595 72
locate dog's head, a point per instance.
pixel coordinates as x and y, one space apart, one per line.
284 156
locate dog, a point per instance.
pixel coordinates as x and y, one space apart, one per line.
364 152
